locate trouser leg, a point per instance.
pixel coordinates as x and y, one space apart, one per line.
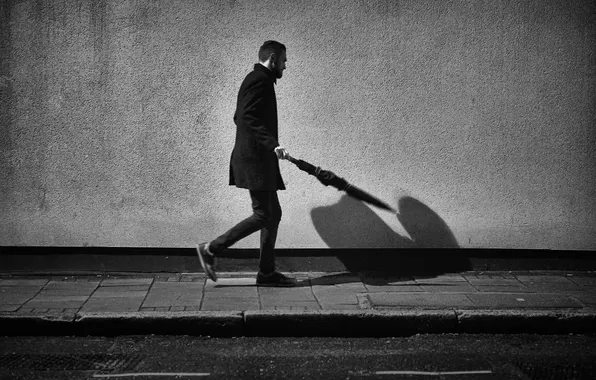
266 216
269 235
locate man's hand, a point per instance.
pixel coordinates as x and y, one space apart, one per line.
281 153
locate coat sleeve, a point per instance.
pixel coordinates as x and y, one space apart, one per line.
253 116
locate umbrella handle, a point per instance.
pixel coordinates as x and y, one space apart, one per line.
296 161
305 166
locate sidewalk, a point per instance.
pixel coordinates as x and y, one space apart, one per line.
324 304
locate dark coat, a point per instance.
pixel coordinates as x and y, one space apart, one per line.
254 165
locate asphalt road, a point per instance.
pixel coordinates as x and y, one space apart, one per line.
184 357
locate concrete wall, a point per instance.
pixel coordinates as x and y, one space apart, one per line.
475 118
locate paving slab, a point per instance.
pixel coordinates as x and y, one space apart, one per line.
394 288
44 301
290 306
357 287
192 277
555 287
381 280
544 279
494 281
330 305
455 287
447 278
348 280
337 297
231 293
298 298
522 300
123 288
25 310
231 287
584 281
17 294
429 300
166 294
549 283
113 304
504 289
329 279
327 296
23 282
126 281
248 282
585 297
230 304
492 275
111 292
286 294
72 286
8 307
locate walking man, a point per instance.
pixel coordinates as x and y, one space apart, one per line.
254 165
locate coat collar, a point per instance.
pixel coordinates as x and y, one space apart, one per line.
259 67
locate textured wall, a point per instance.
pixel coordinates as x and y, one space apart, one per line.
475 118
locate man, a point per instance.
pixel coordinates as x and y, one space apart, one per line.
254 165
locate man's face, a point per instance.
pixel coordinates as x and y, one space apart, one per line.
280 65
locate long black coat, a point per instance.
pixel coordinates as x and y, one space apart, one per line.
254 165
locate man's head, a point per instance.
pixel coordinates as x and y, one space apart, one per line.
272 55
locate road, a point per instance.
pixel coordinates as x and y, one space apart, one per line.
184 357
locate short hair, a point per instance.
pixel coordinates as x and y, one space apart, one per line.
270 47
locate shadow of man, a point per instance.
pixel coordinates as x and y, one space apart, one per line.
372 249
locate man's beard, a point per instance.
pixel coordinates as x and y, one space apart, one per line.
278 73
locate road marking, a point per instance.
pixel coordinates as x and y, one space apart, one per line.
424 373
172 374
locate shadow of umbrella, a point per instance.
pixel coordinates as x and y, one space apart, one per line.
429 231
364 241
351 224
354 228
425 227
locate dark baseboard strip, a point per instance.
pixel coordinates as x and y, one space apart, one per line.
398 262
303 252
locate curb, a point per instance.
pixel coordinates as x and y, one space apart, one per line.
200 323
537 321
37 324
350 323
366 323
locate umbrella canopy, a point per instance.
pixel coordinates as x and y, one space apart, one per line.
329 178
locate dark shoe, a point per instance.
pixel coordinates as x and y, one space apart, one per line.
275 279
207 261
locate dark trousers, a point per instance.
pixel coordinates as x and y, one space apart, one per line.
266 216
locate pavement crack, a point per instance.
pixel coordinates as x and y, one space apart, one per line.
314 295
259 298
147 294
202 294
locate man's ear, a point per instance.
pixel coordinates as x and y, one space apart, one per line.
272 59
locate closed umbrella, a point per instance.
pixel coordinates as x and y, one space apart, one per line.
329 178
